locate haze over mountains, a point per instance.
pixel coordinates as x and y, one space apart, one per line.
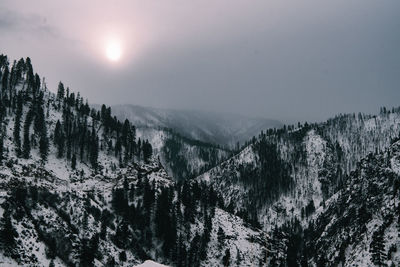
218 128
172 175
79 187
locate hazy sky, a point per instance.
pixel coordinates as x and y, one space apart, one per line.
282 59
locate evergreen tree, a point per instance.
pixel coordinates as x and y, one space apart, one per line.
88 251
165 218
43 141
1 147
147 151
377 247
398 222
238 257
4 82
60 91
220 237
122 234
17 125
2 130
227 257
94 149
294 243
193 256
59 139
73 162
26 149
122 256
120 201
7 234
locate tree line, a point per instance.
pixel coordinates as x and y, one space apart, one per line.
80 133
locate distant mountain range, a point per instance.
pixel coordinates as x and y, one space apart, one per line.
79 187
218 128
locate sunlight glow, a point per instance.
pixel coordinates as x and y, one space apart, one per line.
113 51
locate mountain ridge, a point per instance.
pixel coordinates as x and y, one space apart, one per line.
223 129
78 187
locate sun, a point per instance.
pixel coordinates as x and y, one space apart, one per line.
114 51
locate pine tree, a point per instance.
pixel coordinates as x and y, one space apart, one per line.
2 130
17 125
220 237
193 256
227 257
170 236
238 257
43 141
88 251
43 146
398 222
377 247
7 233
147 151
26 149
1 147
59 139
94 149
4 82
73 162
60 91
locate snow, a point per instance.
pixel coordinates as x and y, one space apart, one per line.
6 261
150 263
316 155
239 239
395 160
191 152
57 176
395 164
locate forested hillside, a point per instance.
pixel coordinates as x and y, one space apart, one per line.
183 158
80 188
283 171
358 226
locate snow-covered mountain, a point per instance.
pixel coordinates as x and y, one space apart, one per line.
357 226
360 224
183 158
283 171
218 128
284 176
78 187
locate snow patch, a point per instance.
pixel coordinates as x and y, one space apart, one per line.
150 263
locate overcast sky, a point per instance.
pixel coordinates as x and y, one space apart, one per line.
281 59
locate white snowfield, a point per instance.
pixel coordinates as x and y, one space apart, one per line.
150 263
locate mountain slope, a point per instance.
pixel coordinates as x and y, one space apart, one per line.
209 127
283 172
78 189
360 224
183 158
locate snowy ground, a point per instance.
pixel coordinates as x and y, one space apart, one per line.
150 263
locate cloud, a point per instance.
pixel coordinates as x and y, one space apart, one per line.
31 24
284 59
